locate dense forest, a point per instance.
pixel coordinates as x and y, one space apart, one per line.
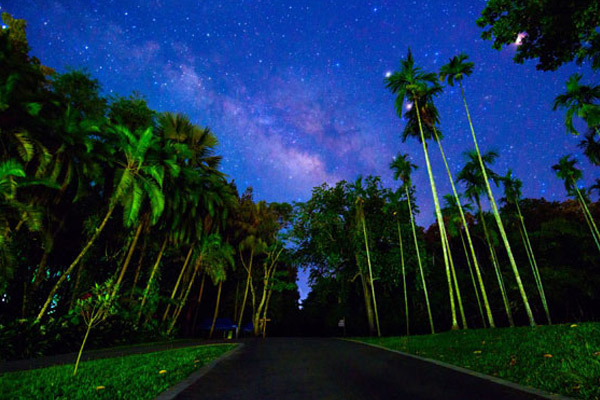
106 204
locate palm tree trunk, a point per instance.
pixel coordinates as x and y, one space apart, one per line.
403 278
199 301
249 271
139 267
212 327
183 299
455 280
371 276
462 239
496 265
534 266
590 219
511 258
151 278
127 259
83 252
414 231
183 268
488 309
440 220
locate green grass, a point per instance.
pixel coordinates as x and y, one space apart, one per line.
130 377
562 359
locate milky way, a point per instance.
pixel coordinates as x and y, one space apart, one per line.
294 90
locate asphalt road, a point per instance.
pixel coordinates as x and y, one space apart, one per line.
307 368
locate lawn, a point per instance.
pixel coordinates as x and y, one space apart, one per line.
140 376
562 359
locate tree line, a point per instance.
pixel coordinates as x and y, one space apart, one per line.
107 190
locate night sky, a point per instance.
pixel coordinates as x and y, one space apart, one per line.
294 89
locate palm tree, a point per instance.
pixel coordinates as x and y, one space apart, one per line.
410 83
403 168
579 101
566 170
456 70
591 147
134 180
472 178
430 120
512 195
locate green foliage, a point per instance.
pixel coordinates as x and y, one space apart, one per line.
129 377
554 32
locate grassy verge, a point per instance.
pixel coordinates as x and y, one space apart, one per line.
140 376
562 359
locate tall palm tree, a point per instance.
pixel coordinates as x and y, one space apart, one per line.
579 101
429 124
512 195
134 180
410 83
566 170
456 70
472 178
403 168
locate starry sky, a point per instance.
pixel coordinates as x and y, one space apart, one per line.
294 90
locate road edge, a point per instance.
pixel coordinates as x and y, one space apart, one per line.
516 386
175 390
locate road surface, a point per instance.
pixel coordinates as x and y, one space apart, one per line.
328 369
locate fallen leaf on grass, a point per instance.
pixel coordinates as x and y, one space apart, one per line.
477 352
574 326
162 371
548 356
100 387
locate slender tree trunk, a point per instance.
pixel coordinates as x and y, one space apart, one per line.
589 218
511 258
199 301
403 277
532 260
468 234
83 252
496 265
127 259
212 327
139 267
462 239
87 333
249 271
440 220
368 305
414 231
183 268
184 298
151 278
371 276
463 318
265 312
